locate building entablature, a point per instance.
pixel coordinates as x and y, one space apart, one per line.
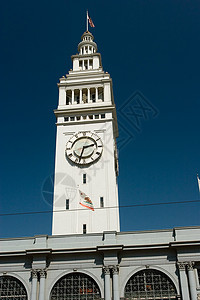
88 108
94 241
81 79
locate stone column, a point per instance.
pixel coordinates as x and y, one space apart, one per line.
42 285
96 97
192 281
34 284
115 271
107 294
88 95
183 281
81 96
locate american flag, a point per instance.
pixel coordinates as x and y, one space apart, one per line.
90 20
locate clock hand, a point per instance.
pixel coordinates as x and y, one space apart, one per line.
81 153
88 146
84 147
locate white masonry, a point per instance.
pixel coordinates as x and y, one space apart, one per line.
86 152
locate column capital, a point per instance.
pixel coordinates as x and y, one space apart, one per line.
34 273
42 273
115 269
106 270
190 265
181 265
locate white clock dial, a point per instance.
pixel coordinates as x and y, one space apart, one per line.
84 148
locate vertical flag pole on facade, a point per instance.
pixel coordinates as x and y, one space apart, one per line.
87 20
198 180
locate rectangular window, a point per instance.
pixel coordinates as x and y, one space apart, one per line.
67 100
96 116
90 117
66 119
86 64
84 229
67 203
72 118
103 116
80 63
78 118
101 202
84 178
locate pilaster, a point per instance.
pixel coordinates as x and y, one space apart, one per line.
42 274
183 280
192 281
34 277
107 283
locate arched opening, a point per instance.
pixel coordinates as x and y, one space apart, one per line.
150 284
12 288
75 286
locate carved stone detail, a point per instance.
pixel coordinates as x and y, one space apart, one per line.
34 273
42 273
190 265
198 296
106 270
181 265
115 269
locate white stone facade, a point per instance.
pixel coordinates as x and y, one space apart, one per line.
86 105
110 259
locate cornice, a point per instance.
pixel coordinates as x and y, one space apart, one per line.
108 108
80 81
83 122
38 251
184 243
85 55
110 248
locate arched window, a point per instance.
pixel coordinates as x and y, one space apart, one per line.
150 284
12 288
75 286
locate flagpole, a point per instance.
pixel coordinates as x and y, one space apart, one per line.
198 181
87 21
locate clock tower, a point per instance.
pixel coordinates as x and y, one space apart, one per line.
86 164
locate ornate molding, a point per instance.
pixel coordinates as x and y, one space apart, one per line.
34 273
115 269
42 273
181 265
106 270
190 266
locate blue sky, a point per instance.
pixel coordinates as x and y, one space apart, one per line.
151 49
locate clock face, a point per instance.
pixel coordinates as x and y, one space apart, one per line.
84 148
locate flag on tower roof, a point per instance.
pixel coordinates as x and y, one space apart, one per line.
90 20
86 201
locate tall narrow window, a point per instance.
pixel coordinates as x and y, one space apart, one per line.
67 203
101 202
84 178
68 97
84 229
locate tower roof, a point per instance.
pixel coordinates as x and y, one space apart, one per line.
87 40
